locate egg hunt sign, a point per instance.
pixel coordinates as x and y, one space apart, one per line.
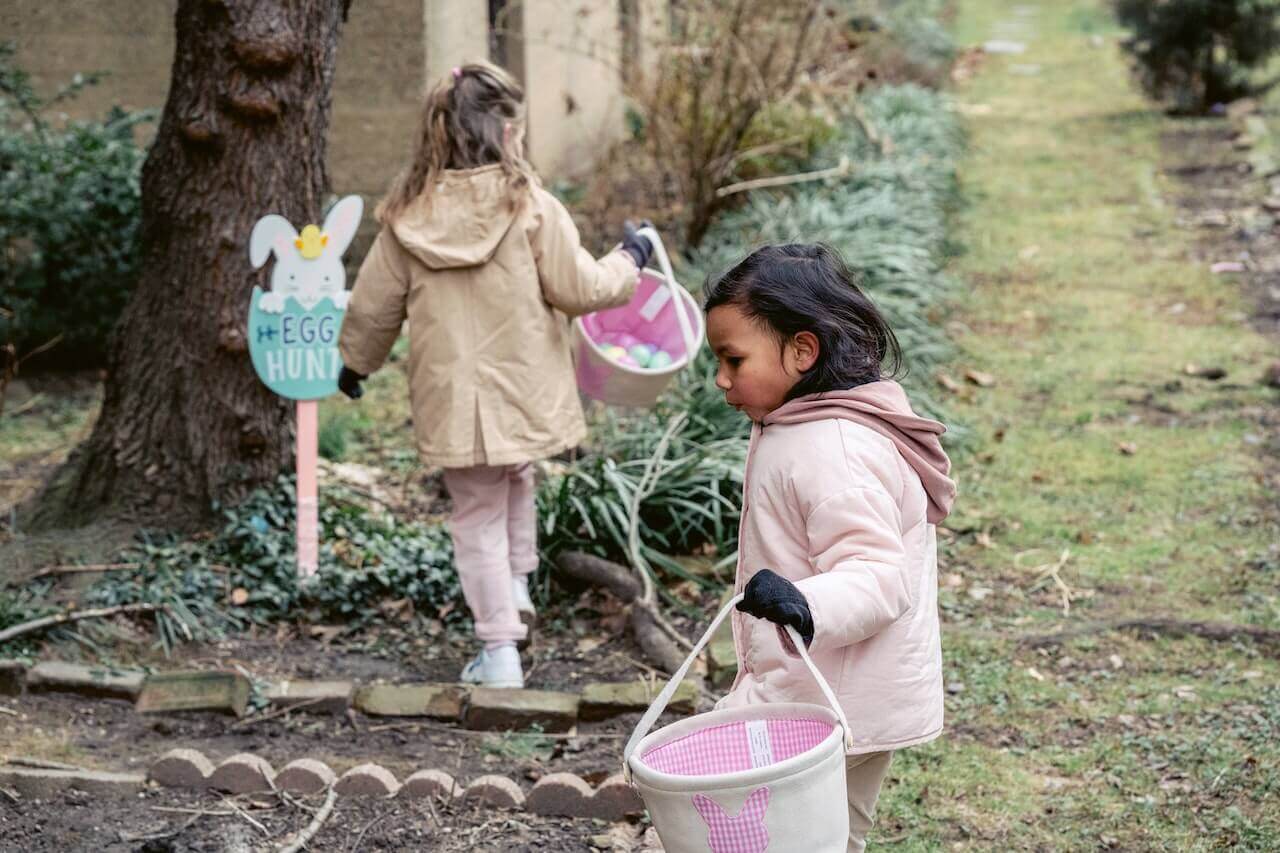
295 352
293 328
293 335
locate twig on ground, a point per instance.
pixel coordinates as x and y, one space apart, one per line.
9 711
12 795
72 616
1053 570
244 814
39 763
89 567
312 828
126 838
356 844
181 810
276 713
446 729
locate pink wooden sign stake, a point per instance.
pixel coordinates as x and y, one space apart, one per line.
308 506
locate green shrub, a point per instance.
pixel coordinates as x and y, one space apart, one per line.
70 208
366 560
1193 54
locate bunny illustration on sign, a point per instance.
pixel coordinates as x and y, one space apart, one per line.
308 265
745 832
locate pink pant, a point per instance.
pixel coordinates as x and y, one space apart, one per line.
494 528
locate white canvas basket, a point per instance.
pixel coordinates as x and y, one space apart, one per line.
745 780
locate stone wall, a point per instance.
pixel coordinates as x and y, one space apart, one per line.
567 54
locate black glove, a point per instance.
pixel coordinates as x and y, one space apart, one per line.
768 595
635 244
349 382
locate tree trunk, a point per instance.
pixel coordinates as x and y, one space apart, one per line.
184 420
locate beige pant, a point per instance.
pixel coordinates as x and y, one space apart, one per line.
864 775
494 529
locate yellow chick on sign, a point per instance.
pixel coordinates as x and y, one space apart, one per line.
311 242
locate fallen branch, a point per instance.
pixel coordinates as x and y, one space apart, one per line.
622 583
837 171
599 572
1217 631
312 828
73 616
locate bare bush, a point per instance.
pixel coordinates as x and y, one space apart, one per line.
717 97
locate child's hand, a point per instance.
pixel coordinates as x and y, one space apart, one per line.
768 595
349 382
636 245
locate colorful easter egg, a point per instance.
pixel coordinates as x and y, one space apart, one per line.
661 358
641 354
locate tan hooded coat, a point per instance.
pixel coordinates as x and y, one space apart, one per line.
485 289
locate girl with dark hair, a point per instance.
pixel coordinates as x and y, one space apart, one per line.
484 264
843 488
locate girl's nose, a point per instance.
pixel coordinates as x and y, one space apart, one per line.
722 380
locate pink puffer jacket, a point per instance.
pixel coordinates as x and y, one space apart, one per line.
841 495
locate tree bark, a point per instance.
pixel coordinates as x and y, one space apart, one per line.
185 421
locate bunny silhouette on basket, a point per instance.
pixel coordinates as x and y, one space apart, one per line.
836 580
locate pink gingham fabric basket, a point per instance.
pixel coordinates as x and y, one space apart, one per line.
744 780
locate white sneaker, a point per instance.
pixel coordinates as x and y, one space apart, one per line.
498 668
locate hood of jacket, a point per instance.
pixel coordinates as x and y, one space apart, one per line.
461 221
883 406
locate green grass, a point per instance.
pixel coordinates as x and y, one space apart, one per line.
1072 262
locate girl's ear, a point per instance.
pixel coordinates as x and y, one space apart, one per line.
805 348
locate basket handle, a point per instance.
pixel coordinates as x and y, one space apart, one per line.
678 305
659 703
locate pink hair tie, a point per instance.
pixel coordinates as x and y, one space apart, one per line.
457 73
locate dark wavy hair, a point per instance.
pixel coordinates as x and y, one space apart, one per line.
807 287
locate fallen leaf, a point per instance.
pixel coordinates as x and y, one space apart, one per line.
1128 448
1185 692
977 377
1117 662
1029 252
984 539
1225 267
948 383
1034 673
589 644
325 633
1038 477
954 580
1084 537
239 596
977 593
